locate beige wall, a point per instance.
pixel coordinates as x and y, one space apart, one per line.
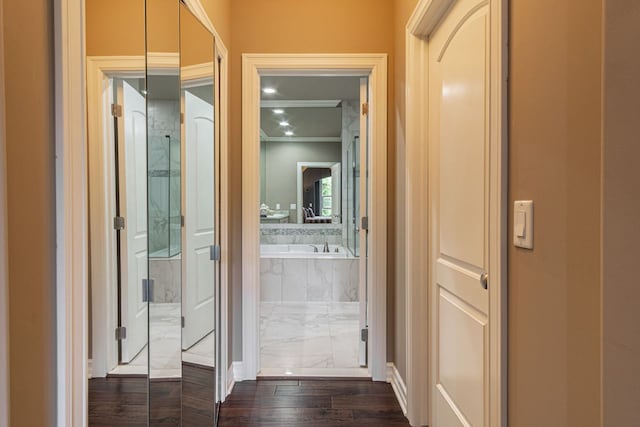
28 59
554 159
219 11
300 26
402 11
621 208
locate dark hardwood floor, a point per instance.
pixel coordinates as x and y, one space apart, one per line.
309 403
122 401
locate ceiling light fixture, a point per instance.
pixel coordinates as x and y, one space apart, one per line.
283 123
269 90
288 133
278 111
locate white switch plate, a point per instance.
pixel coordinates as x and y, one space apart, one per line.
523 223
292 206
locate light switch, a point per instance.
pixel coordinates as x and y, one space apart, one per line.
292 206
523 224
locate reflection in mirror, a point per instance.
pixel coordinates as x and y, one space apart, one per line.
163 147
117 140
200 271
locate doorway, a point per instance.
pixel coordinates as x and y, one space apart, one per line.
373 67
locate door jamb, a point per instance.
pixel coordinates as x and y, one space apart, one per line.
425 18
253 66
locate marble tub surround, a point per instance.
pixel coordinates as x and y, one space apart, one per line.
301 233
304 279
296 337
166 275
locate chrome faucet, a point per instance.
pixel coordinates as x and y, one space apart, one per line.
326 247
315 248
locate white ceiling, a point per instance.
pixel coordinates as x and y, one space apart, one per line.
311 122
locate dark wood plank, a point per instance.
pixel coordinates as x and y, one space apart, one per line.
311 403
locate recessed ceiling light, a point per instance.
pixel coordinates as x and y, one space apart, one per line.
288 133
278 111
283 123
269 90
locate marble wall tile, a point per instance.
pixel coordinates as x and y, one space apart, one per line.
345 282
294 279
319 278
166 275
271 279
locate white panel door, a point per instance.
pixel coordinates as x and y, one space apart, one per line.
336 193
198 297
459 206
132 168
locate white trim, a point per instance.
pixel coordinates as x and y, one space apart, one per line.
90 368
231 382
71 214
301 103
299 190
300 138
253 66
423 21
222 73
4 266
196 75
399 388
238 371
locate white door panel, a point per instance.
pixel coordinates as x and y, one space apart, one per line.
198 296
459 171
132 148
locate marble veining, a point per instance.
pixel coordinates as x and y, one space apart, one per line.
309 335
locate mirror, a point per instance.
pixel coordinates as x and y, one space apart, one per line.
117 144
200 272
154 203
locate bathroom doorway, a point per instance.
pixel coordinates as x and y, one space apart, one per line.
308 289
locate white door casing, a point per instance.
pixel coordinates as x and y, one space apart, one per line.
336 193
255 65
132 160
198 298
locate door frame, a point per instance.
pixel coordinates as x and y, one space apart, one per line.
72 232
424 20
103 271
253 66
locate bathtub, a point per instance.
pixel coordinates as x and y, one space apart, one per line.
303 251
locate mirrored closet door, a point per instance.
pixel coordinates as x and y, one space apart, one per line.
154 215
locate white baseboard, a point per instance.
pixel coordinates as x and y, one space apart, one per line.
235 374
90 368
398 385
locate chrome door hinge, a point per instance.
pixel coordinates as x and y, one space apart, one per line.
121 333
116 110
181 220
118 223
181 118
365 108
182 321
364 225
214 252
364 334
147 290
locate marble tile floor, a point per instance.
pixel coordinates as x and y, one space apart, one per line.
165 342
310 339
